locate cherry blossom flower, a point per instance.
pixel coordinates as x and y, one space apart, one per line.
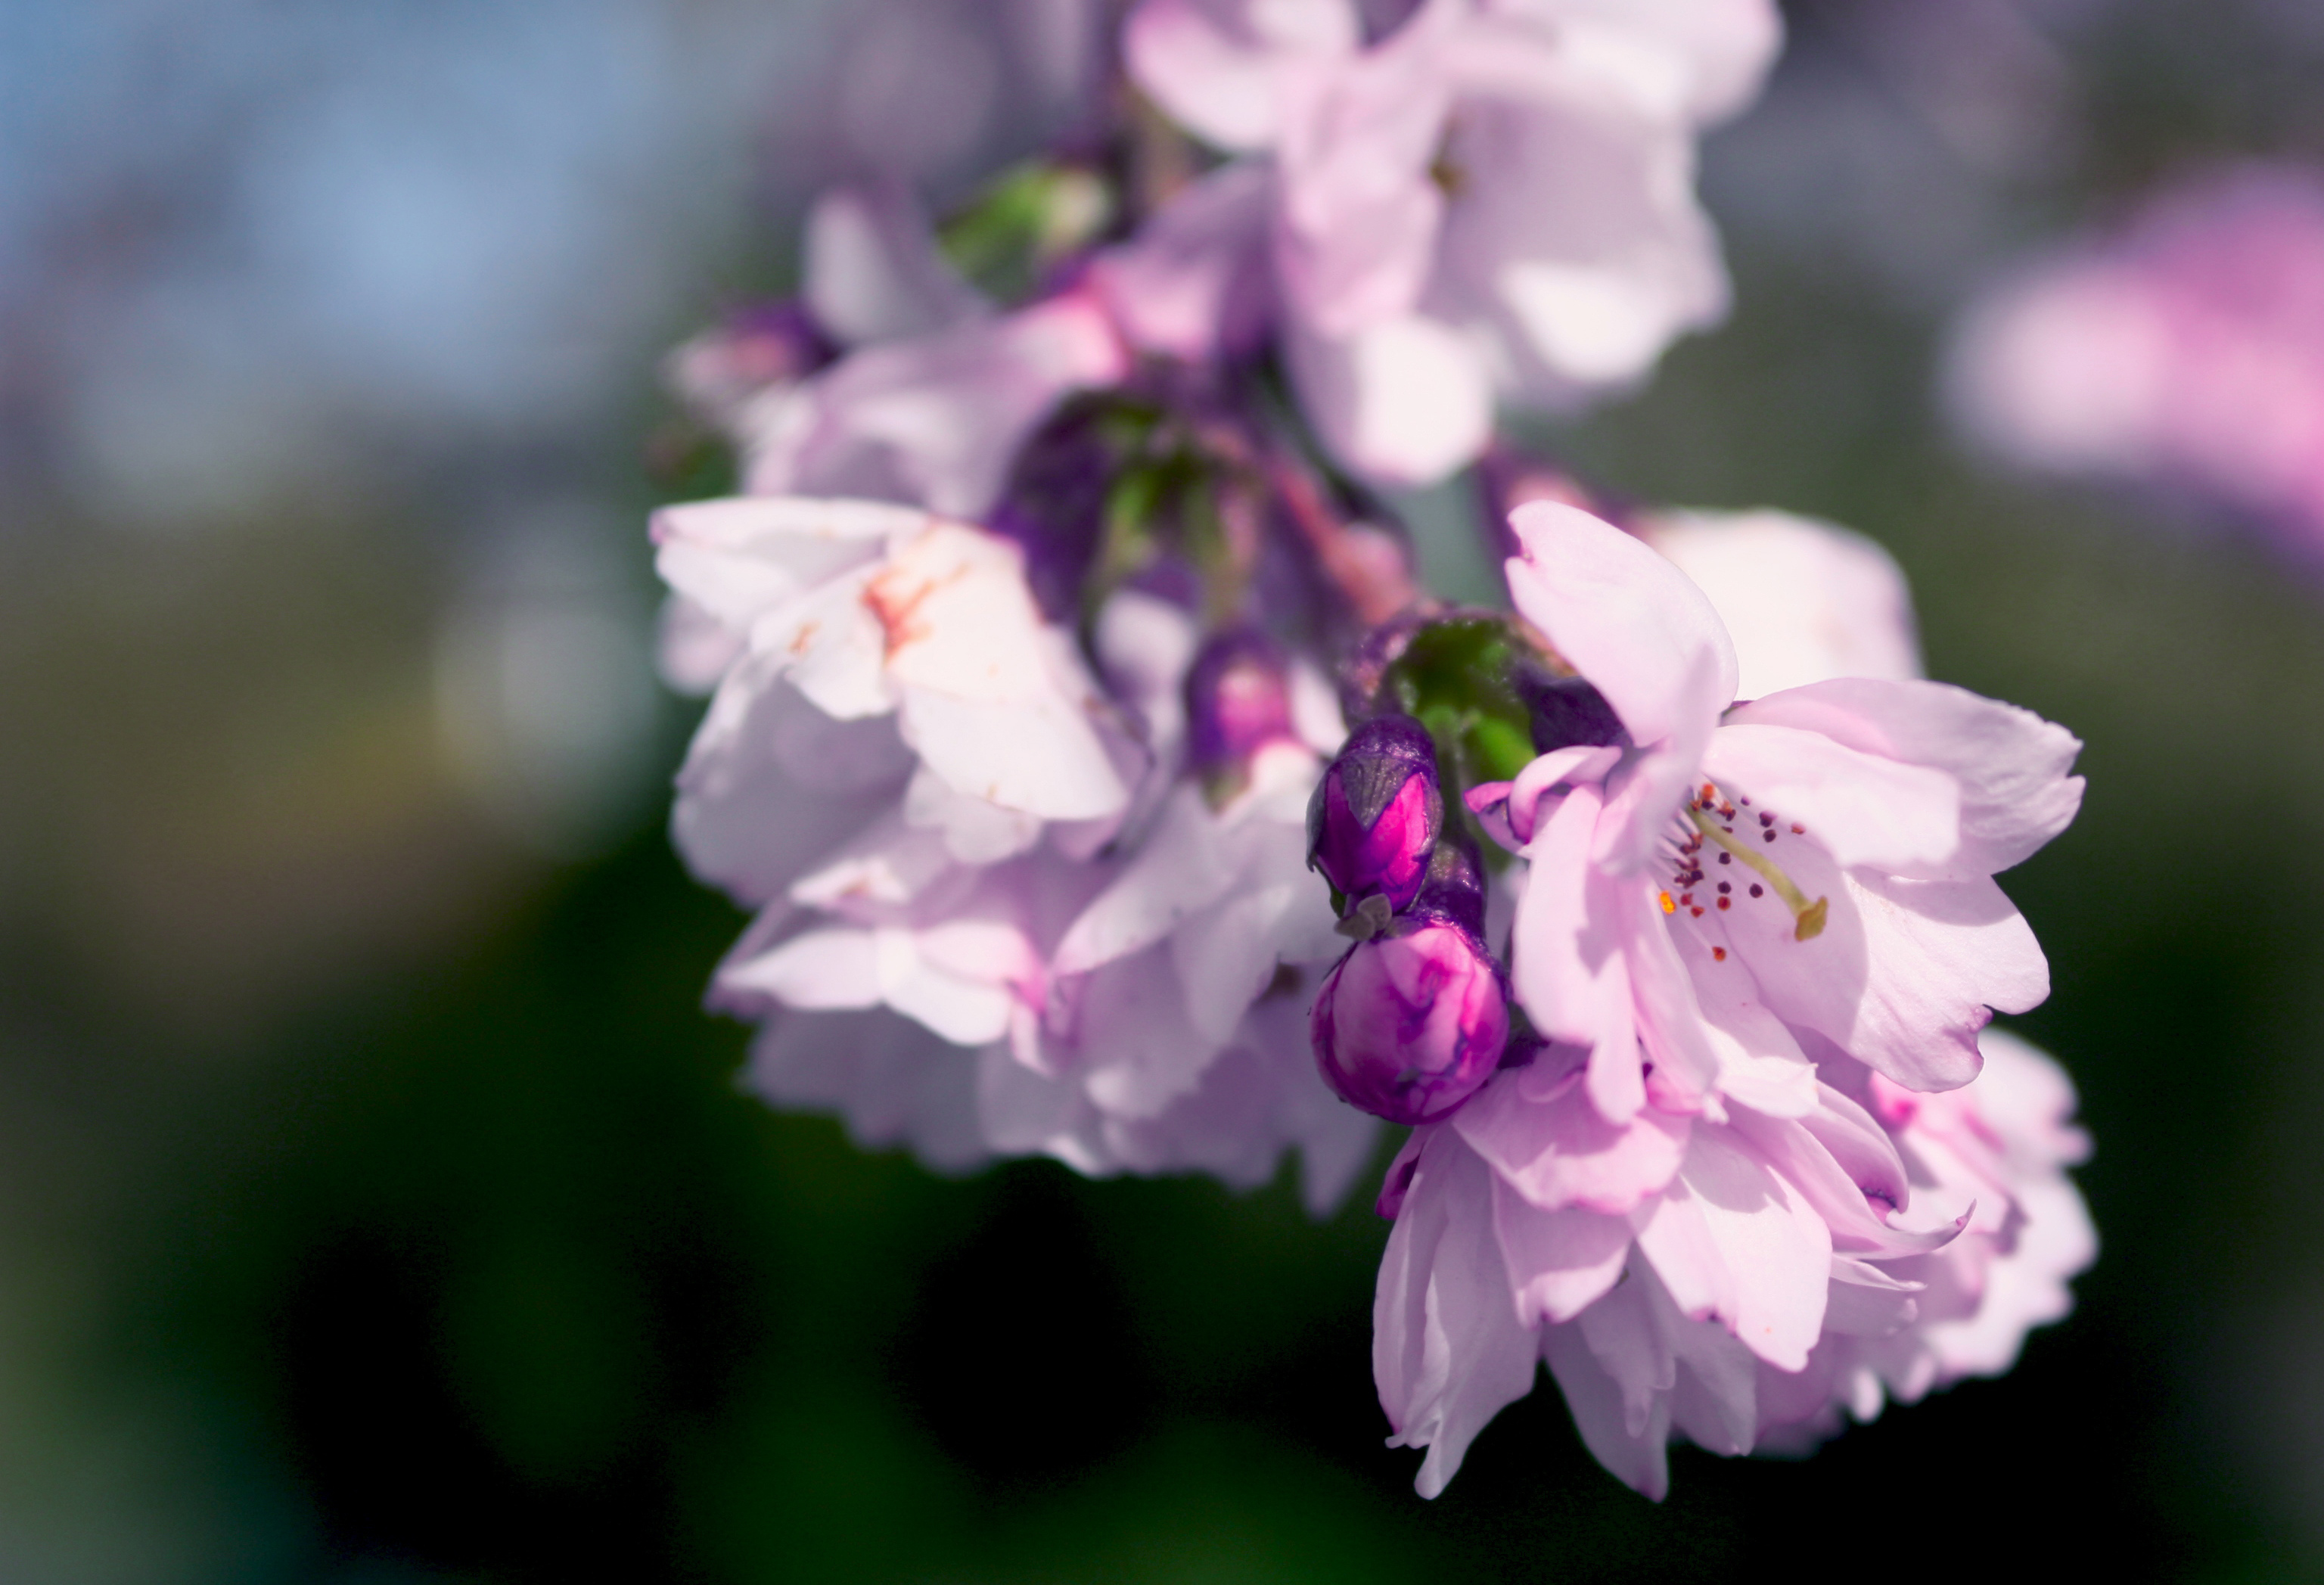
895 673
872 275
1495 199
1714 1201
2188 350
1820 858
934 420
871 272
1021 751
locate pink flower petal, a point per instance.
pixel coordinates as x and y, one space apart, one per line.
1561 1262
1897 817
1404 402
1197 281
1214 65
1904 973
874 272
1616 1375
2012 765
1804 600
742 557
1447 1351
1561 1152
1732 1240
1624 618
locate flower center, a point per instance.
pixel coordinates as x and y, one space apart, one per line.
1713 817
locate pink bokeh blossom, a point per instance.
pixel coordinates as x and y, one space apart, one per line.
2186 350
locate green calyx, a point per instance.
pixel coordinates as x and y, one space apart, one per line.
1172 497
1025 220
1457 677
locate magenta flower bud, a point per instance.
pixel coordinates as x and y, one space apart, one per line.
1237 701
1374 820
1410 1023
1454 890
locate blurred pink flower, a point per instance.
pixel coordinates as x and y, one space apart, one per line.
1495 199
871 272
933 420
892 665
2189 349
1802 600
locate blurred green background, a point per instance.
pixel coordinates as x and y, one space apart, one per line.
377 1205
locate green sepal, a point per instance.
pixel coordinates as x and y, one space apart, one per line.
1026 219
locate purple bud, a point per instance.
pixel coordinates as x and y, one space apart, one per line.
1409 1024
781 336
755 346
1053 504
1237 701
1374 816
1454 889
1567 710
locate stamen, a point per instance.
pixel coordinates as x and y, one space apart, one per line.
1809 917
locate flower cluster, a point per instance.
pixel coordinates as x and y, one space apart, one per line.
1758 942
1104 786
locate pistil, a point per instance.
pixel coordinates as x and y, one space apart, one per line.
1810 917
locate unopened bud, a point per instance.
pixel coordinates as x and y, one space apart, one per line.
1453 891
1237 701
1409 1024
1567 710
1374 819
758 345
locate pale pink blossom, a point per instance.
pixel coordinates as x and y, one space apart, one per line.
934 389
1194 283
871 272
896 1083
893 668
933 420
2187 350
1738 1283
1802 600
1497 199
2003 1143
1757 937
1819 857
